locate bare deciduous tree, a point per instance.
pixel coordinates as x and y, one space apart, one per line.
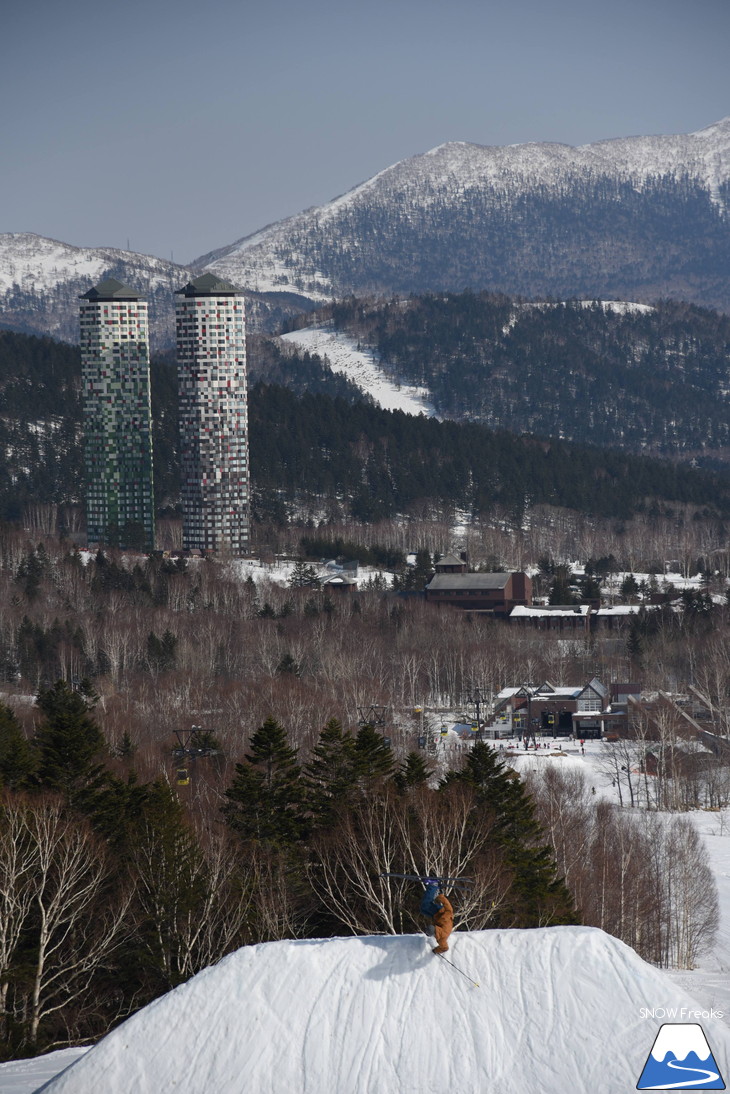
423 833
642 876
55 879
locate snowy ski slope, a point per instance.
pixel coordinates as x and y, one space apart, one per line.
559 1011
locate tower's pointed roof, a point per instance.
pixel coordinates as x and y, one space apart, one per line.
208 285
111 289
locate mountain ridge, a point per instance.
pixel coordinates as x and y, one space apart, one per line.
286 253
633 218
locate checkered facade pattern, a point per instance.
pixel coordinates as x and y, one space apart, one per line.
213 416
117 418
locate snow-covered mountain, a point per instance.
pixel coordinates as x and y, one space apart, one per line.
41 280
558 1009
637 218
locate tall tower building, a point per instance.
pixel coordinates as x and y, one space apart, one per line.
115 369
211 355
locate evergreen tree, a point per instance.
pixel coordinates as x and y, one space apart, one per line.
266 797
537 896
127 748
416 577
167 862
635 648
303 576
330 775
117 807
68 740
414 771
161 652
18 759
590 588
288 666
629 587
373 755
31 571
561 592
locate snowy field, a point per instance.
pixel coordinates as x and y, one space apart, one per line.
26 1076
280 572
360 367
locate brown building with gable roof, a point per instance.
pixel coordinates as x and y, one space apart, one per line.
495 593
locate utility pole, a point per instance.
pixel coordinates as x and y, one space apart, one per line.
374 716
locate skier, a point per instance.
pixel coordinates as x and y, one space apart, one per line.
438 906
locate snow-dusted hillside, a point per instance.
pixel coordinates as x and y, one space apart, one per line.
41 280
360 366
32 263
639 218
559 1009
343 246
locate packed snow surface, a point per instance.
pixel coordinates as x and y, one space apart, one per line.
558 1010
361 368
25 1076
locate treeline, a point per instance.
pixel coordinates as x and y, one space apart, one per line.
649 380
355 460
163 637
374 554
40 423
317 453
112 893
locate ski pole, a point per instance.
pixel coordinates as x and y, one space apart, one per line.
475 983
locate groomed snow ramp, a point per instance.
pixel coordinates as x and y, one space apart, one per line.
558 1011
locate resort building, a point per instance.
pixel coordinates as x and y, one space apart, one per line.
211 355
115 368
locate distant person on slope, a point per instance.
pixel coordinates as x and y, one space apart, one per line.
439 908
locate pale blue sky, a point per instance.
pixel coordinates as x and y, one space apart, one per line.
183 126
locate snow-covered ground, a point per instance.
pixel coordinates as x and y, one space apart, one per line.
618 307
710 981
26 1076
280 572
556 1010
361 368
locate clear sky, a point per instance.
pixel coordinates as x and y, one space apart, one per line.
181 126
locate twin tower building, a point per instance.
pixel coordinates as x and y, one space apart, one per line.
213 417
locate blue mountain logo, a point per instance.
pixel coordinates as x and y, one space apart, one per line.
680 1059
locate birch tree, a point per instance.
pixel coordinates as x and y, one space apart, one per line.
73 919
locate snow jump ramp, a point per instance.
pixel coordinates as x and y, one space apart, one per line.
561 1010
